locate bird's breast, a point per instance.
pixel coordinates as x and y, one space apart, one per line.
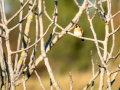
77 32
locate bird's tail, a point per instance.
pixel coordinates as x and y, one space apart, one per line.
82 39
83 36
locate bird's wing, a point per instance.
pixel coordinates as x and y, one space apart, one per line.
82 32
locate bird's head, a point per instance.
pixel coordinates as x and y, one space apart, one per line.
77 26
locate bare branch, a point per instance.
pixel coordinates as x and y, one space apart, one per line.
56 16
77 3
115 57
1 35
85 38
102 13
51 84
3 12
114 76
18 12
93 5
92 80
92 63
70 74
94 15
94 34
50 18
113 36
115 71
55 84
27 76
1 25
115 14
19 37
24 17
2 66
100 65
32 44
2 17
101 6
36 38
115 31
98 50
102 51
109 8
39 79
25 40
23 65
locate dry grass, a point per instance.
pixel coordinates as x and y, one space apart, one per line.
80 80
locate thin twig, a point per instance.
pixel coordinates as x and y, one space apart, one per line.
50 18
94 34
56 16
18 12
71 87
100 65
43 52
115 71
25 40
98 49
113 37
101 6
39 79
115 31
4 15
51 84
85 38
94 15
36 38
92 63
77 3
23 18
114 76
102 13
115 14
92 5
23 65
92 79
19 37
31 45
115 57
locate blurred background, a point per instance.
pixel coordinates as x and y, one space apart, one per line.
69 54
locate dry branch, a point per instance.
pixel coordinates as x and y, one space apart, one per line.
19 68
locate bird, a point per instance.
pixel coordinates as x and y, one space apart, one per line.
78 31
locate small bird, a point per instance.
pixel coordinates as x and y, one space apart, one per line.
78 31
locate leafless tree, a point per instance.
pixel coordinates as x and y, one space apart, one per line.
13 72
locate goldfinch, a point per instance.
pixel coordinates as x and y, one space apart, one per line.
78 31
